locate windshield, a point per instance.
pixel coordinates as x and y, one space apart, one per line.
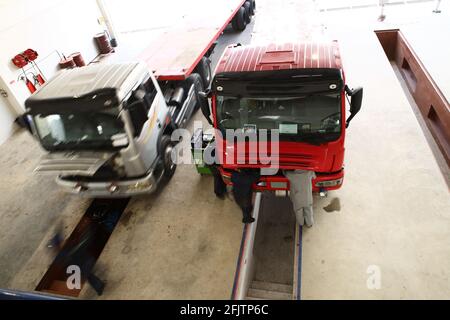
82 130
313 118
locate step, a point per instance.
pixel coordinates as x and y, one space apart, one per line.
254 294
252 298
59 287
271 286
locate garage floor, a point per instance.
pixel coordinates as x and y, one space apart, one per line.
392 214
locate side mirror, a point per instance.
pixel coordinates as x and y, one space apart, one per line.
355 102
204 104
24 122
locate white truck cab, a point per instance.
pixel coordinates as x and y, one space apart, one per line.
107 128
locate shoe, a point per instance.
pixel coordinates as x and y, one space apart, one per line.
220 196
248 220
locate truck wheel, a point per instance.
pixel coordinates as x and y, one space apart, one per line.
166 148
248 13
204 70
238 22
196 80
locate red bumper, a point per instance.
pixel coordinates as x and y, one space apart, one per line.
323 181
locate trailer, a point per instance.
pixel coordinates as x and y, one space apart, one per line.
107 127
180 33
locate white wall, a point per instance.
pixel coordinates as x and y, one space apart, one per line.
6 116
46 26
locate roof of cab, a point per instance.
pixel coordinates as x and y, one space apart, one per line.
77 82
279 57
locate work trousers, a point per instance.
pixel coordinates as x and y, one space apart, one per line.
304 215
242 190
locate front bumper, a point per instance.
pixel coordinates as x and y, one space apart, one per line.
110 189
274 183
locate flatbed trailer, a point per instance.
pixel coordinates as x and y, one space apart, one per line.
172 50
175 54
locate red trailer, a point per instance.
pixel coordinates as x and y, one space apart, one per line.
178 33
176 53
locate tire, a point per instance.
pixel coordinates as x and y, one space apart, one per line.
254 6
238 23
248 12
166 147
196 80
204 70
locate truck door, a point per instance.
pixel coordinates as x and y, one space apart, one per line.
147 127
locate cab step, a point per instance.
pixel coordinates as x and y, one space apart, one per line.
260 290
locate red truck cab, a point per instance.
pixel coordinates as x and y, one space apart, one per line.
297 89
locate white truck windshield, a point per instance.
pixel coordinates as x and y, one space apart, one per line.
83 130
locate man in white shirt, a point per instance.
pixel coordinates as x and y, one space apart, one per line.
301 195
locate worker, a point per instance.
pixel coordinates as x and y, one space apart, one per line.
243 181
301 195
220 188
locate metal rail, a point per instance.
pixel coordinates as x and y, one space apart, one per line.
260 241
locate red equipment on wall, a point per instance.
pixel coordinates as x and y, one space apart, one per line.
103 43
21 60
30 85
67 63
30 54
78 59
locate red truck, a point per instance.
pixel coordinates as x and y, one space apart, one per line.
298 89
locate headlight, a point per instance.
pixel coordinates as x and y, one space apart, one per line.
329 183
140 186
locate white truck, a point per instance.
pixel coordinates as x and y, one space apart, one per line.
106 127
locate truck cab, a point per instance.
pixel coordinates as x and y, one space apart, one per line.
297 89
106 128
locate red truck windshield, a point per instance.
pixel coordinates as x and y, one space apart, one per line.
315 118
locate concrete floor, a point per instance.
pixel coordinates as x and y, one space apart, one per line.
393 211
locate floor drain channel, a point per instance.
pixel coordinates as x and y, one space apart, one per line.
74 263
